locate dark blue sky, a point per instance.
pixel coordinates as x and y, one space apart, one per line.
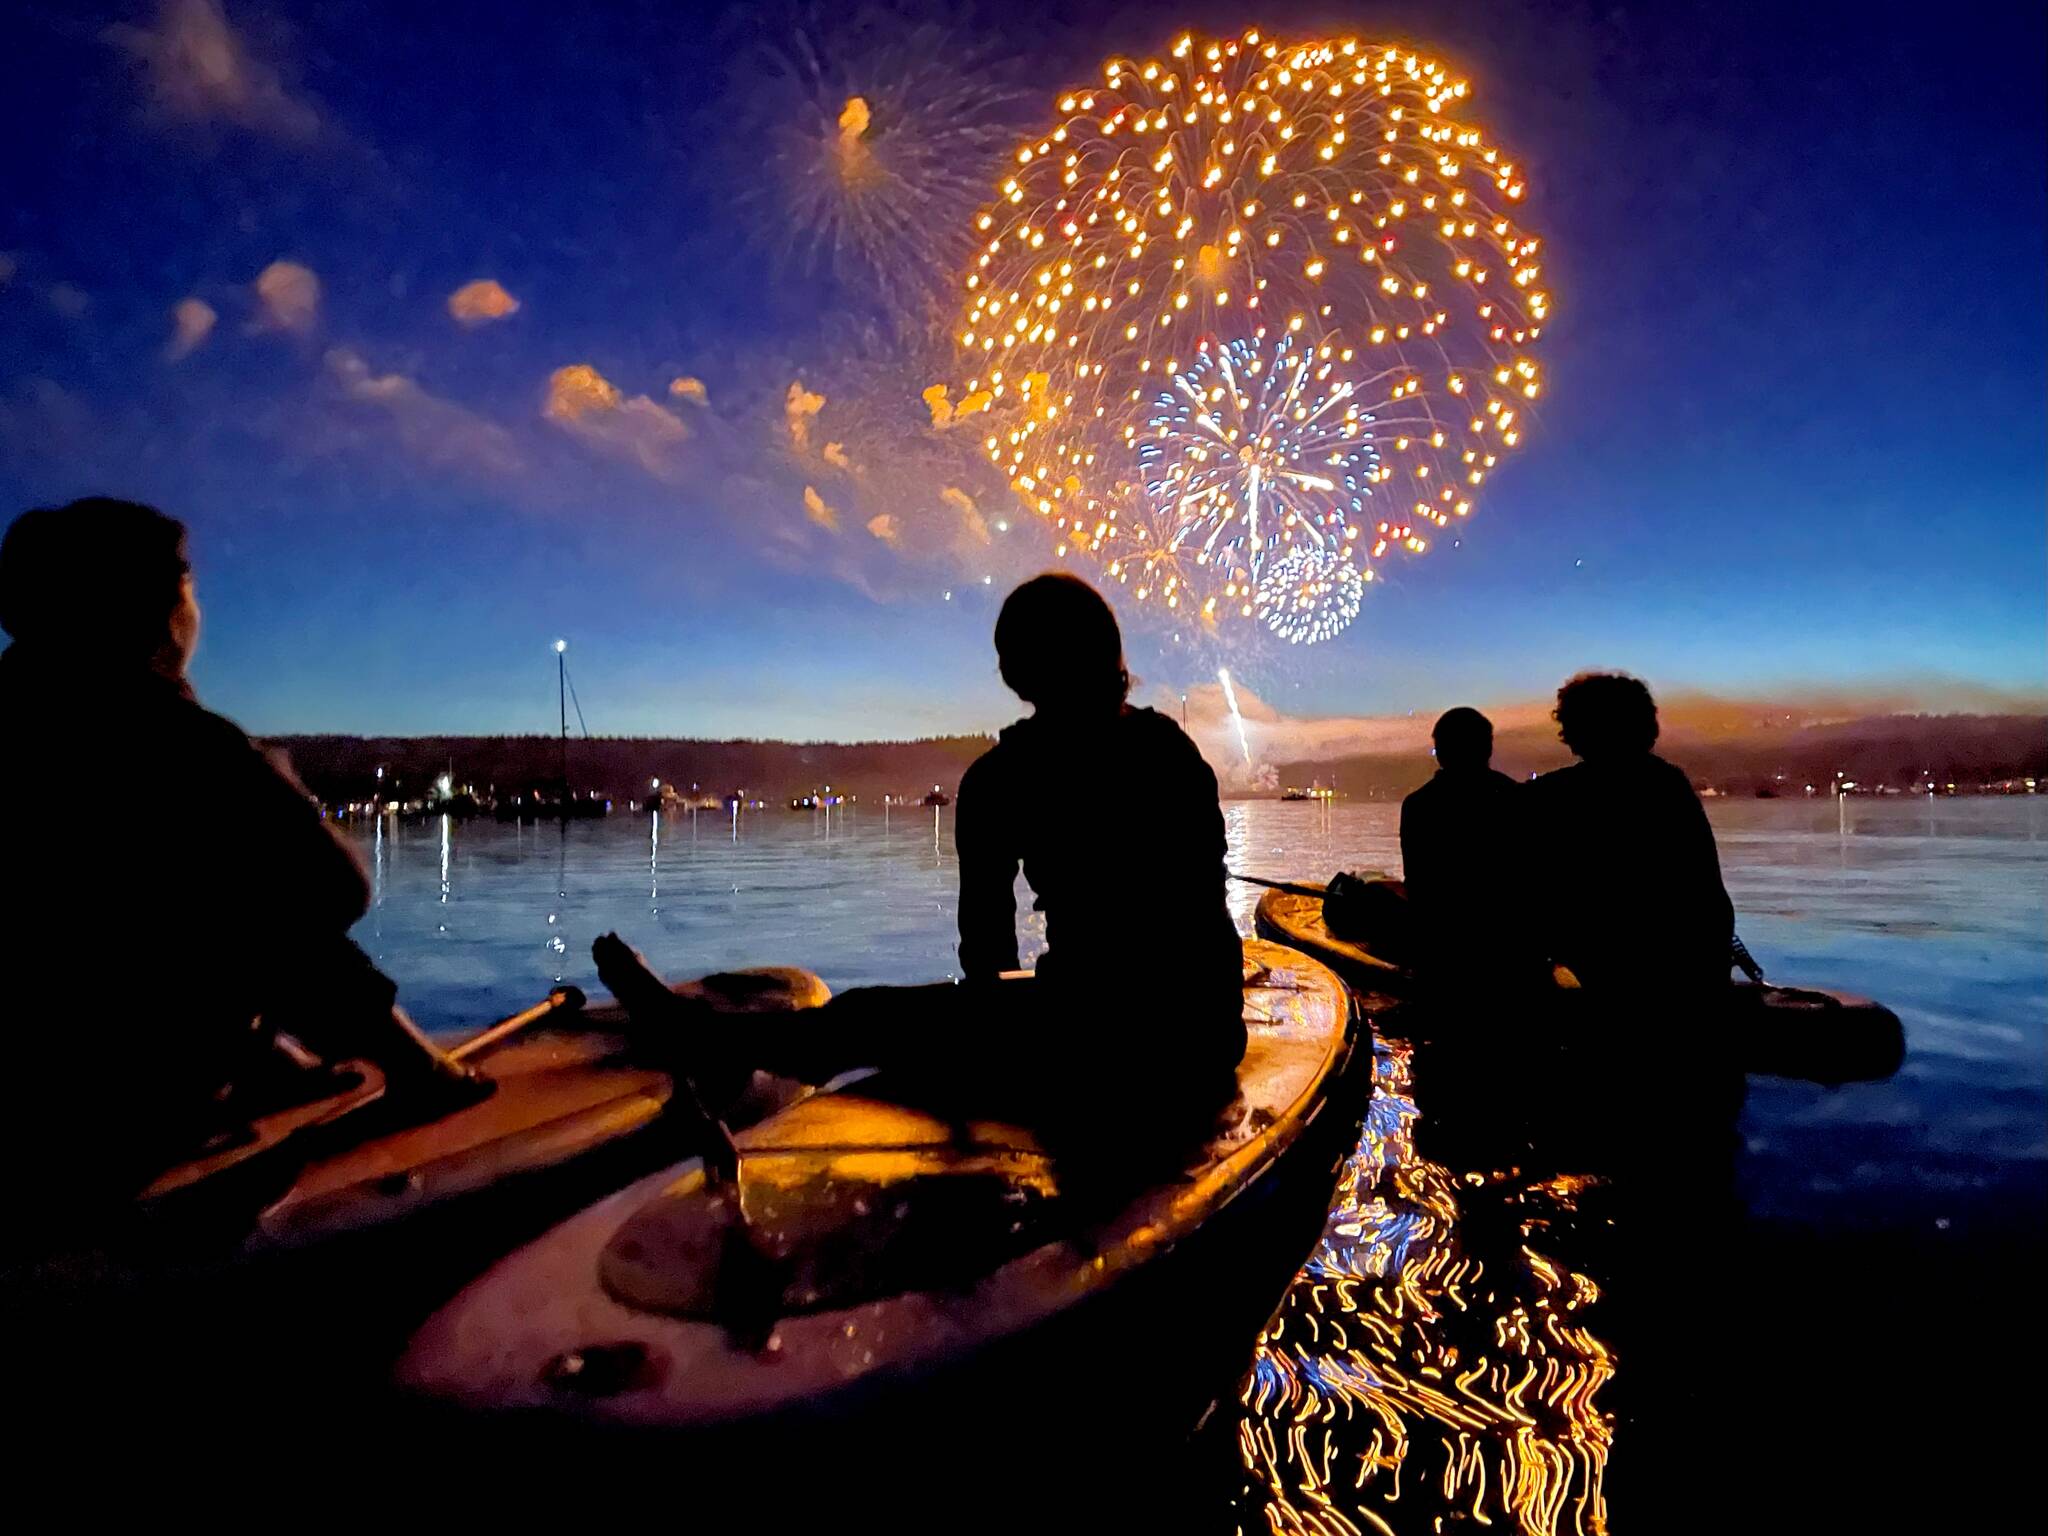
1793 436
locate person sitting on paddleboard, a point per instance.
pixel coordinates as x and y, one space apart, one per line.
1114 819
1636 904
1464 864
186 886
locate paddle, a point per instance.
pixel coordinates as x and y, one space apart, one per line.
1291 887
561 1000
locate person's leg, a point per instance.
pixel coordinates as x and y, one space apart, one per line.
939 1029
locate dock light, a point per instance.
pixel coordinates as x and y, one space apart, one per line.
561 646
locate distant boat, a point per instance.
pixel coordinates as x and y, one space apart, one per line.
937 797
1296 794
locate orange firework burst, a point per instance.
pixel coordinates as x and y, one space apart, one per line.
1254 296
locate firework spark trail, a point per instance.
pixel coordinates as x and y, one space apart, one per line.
869 136
1230 696
1254 298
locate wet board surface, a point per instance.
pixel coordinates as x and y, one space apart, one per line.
560 1092
1816 1034
600 1321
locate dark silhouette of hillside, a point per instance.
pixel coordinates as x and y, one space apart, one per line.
1969 751
342 768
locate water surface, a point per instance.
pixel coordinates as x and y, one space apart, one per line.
1479 1338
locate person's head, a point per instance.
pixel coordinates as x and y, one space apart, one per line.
1058 646
1606 714
100 580
1464 739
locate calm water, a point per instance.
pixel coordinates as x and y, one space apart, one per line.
1467 1344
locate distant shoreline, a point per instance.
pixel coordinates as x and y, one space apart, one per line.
1958 754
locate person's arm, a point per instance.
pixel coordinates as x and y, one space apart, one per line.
988 876
1409 839
316 884
1716 912
302 890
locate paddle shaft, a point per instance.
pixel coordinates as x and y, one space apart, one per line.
561 1000
1291 887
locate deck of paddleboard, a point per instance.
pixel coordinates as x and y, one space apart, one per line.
500 1344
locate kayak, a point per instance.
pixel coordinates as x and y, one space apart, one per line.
879 1266
1812 1033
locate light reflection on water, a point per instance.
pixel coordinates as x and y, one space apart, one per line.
1410 1372
1443 1357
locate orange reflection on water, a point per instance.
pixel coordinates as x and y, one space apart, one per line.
1421 1372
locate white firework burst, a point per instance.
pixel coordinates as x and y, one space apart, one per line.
1255 447
1309 595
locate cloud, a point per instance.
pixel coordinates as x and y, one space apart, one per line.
481 300
288 298
200 69
821 513
587 405
971 520
1526 736
68 299
690 389
192 321
947 414
798 407
884 528
41 421
835 455
436 430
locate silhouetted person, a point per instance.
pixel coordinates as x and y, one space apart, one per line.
165 884
1464 860
1113 817
1634 899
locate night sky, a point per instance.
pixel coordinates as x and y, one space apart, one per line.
1793 438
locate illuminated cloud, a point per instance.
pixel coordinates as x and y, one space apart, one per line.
692 390
819 510
835 455
798 407
587 405
971 519
884 528
287 298
484 299
433 429
68 299
947 414
192 321
200 69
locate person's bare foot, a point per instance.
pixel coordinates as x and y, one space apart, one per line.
629 978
